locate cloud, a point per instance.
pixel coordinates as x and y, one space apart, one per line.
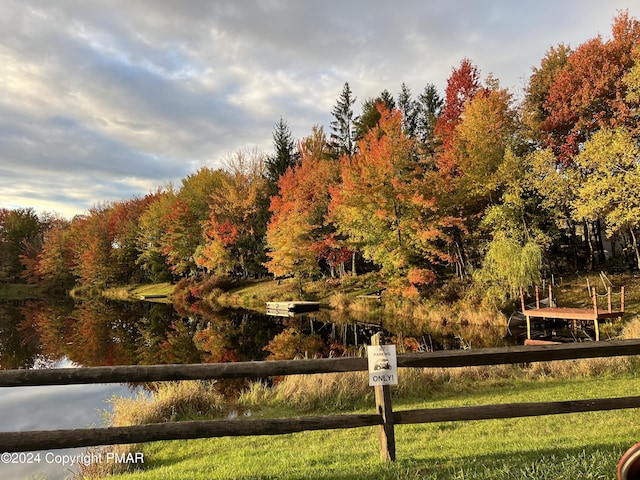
109 97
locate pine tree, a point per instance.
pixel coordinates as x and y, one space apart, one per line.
429 106
286 154
342 136
370 115
410 111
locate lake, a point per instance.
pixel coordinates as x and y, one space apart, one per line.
64 333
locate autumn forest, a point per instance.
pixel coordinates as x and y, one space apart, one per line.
494 187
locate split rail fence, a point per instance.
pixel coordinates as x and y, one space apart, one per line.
384 417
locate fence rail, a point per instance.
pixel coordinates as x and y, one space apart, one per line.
206 371
384 417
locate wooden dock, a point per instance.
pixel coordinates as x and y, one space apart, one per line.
288 309
594 314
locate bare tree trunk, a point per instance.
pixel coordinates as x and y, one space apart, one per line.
574 245
587 232
461 268
635 247
598 235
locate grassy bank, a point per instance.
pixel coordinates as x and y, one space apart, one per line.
451 302
157 291
585 446
254 294
19 291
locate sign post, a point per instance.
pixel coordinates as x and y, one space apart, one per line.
383 371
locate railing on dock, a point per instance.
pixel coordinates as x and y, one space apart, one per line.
384 417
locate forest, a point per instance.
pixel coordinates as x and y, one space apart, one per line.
496 188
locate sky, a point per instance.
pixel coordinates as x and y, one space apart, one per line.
105 100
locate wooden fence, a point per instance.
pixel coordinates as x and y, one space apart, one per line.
384 417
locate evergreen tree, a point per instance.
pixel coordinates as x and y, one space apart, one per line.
429 107
285 156
370 115
410 111
342 136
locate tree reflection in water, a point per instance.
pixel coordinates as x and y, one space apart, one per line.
104 332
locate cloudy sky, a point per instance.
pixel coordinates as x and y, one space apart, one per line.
107 99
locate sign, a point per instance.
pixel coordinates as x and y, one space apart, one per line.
383 365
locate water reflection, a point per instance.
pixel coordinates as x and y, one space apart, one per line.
41 334
103 332
19 346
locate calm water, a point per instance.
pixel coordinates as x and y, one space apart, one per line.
51 408
46 334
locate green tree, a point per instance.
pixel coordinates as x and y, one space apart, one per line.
183 222
410 110
468 163
18 228
516 227
429 107
124 228
152 227
285 154
611 188
555 186
370 114
342 136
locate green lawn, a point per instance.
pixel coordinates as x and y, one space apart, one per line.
574 446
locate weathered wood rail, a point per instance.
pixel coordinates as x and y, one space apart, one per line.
384 417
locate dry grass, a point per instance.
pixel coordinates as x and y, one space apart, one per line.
340 302
329 391
340 391
632 328
135 292
170 401
256 294
105 469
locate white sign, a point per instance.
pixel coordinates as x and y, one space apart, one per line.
383 365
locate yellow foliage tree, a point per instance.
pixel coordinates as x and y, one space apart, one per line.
611 187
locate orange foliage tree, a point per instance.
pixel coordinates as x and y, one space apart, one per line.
55 260
234 232
588 91
298 229
182 219
384 205
462 85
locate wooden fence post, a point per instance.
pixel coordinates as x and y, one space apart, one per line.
386 434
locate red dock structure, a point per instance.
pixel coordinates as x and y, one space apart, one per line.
594 314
